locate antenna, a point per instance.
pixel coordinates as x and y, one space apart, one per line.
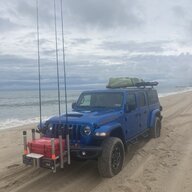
39 64
57 60
63 43
65 84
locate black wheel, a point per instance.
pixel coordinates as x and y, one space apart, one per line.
156 130
111 160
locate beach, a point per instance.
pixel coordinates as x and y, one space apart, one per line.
156 165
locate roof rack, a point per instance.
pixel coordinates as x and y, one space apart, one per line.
129 82
145 84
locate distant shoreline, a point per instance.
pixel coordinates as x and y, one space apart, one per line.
186 89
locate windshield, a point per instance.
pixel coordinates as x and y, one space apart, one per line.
100 100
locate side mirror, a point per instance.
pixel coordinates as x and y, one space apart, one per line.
74 104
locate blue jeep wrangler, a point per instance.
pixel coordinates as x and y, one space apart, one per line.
103 122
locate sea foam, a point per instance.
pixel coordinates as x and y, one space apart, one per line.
13 123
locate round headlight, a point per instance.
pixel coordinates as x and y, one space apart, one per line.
87 130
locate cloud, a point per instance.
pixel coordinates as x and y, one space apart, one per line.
179 11
7 25
20 72
84 14
77 41
26 10
132 46
102 39
104 14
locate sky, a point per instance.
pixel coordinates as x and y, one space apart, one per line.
149 39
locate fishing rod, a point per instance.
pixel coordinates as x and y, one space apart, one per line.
38 61
57 60
65 84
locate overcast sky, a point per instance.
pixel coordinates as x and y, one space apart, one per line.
151 39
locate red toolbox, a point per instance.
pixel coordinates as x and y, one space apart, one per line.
43 146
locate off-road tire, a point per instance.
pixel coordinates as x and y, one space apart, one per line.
155 131
111 160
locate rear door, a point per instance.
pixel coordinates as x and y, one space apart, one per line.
143 110
131 116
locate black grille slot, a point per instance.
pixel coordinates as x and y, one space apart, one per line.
78 133
57 129
74 133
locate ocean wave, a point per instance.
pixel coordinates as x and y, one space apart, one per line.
33 103
13 123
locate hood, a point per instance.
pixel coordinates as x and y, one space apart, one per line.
90 117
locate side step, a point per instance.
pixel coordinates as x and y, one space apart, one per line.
134 141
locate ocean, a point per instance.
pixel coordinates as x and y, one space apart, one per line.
21 107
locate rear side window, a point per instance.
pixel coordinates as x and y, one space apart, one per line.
141 99
131 101
152 97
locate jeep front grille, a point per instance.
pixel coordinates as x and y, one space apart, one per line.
74 131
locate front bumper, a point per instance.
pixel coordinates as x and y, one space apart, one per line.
91 152
47 163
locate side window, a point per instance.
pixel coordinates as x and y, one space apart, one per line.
152 97
131 102
142 100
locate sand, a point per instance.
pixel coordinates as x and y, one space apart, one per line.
156 165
